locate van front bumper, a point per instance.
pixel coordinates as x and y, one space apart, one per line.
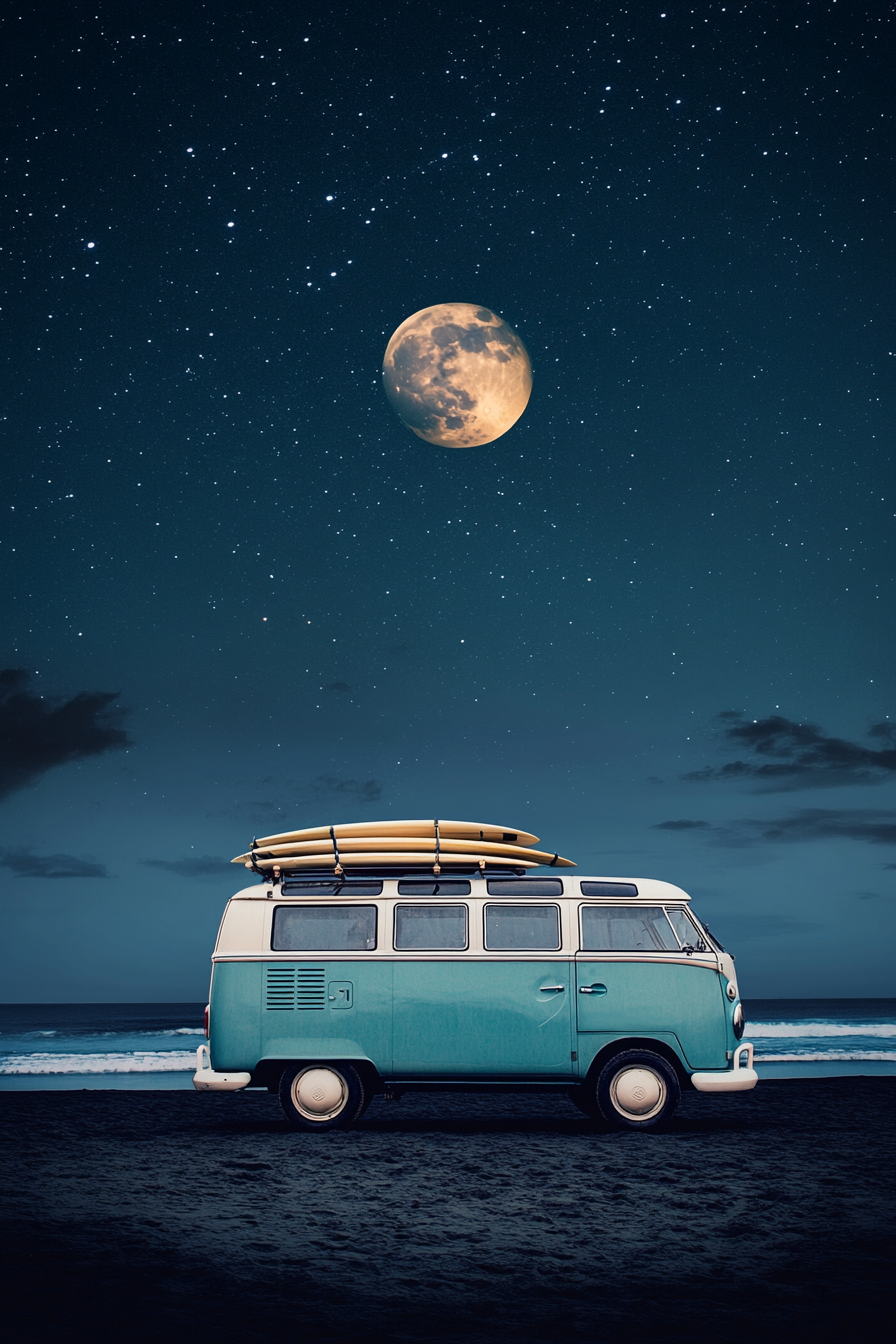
206 1080
739 1078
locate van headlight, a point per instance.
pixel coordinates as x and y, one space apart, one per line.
737 1020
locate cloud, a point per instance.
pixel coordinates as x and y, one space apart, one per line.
785 755
205 868
331 788
869 825
36 734
25 864
342 686
875 827
682 825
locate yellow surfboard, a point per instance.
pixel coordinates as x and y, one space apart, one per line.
448 830
348 845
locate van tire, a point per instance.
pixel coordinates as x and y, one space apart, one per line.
368 1098
322 1096
637 1089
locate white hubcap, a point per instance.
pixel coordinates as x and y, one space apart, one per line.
319 1094
638 1093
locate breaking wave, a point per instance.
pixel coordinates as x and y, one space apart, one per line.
817 1056
796 1029
149 1061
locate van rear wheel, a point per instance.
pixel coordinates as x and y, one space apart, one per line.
637 1090
322 1096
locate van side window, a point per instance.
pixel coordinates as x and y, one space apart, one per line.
627 929
324 928
430 928
522 928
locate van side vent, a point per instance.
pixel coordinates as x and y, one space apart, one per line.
291 987
281 987
311 991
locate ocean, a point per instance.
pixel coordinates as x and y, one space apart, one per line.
153 1045
98 1045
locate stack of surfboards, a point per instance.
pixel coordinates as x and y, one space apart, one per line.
433 845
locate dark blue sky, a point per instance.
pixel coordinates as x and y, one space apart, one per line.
652 624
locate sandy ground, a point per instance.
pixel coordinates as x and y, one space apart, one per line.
182 1217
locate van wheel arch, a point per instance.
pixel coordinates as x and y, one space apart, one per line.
617 1047
268 1072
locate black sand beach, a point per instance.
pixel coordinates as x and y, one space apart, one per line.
131 1215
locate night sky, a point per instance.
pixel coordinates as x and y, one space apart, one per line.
653 623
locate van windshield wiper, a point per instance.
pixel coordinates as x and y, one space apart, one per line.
712 937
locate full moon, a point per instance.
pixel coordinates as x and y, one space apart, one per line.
457 375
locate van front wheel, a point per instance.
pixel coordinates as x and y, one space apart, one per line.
637 1090
322 1096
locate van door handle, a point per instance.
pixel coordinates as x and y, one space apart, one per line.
548 989
592 989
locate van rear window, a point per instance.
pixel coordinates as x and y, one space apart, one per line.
324 928
621 929
522 928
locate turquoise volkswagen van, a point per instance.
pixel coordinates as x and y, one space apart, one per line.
330 987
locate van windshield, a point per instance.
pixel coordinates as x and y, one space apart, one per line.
324 928
686 931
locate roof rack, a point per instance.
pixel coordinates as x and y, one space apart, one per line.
392 873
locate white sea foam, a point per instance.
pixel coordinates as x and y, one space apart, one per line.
103 1035
138 1061
795 1029
826 1055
